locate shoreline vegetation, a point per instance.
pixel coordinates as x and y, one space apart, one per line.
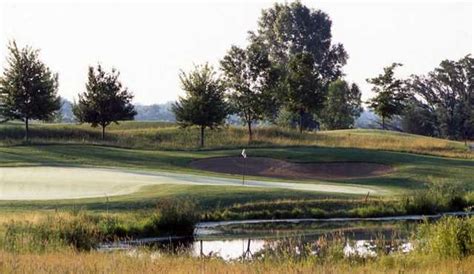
446 245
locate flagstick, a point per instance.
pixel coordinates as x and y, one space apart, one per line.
243 174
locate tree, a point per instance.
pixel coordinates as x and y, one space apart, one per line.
204 103
419 118
304 92
28 88
248 76
390 94
105 100
290 33
288 29
342 106
448 90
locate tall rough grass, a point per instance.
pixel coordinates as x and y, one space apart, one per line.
449 237
95 262
442 247
151 135
85 230
440 196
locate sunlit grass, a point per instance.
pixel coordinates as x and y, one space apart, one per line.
158 135
97 262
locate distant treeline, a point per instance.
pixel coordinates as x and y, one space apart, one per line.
163 113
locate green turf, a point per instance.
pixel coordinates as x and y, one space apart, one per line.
151 146
412 170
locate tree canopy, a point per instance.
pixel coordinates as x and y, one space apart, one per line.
249 77
28 88
304 92
298 37
204 103
105 100
342 106
390 94
447 92
289 29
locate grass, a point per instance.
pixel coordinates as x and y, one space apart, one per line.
96 262
81 230
413 172
167 136
441 247
431 175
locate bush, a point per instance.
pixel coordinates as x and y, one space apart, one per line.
80 232
178 216
450 237
441 196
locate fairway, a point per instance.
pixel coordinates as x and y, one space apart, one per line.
50 183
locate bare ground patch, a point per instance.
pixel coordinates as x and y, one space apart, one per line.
260 166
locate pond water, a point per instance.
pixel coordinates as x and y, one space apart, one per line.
239 240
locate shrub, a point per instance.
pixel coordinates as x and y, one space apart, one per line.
440 196
450 237
177 215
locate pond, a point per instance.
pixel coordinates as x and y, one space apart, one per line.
239 240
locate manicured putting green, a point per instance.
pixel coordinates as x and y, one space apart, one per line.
50 183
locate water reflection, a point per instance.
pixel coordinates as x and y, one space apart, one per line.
228 249
250 241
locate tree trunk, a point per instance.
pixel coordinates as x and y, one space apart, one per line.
301 121
27 129
202 136
249 123
103 132
383 122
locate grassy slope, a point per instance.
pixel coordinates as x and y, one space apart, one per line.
165 136
413 171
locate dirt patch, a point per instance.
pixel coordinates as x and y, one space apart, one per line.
259 166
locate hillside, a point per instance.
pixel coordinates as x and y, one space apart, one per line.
168 136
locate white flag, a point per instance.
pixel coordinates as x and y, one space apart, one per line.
243 153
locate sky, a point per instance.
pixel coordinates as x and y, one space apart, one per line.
150 42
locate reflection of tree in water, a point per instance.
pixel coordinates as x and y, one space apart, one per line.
356 229
182 245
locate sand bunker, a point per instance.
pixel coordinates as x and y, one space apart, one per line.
259 166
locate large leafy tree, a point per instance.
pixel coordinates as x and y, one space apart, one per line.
293 32
28 88
390 94
304 92
419 118
105 100
288 29
342 106
448 90
249 78
204 103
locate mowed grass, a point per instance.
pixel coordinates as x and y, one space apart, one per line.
168 136
151 146
412 171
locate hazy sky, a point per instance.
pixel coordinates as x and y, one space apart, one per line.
150 42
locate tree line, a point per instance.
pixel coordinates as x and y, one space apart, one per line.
439 104
29 91
290 74
290 66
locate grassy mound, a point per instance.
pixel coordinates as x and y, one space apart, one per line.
167 136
